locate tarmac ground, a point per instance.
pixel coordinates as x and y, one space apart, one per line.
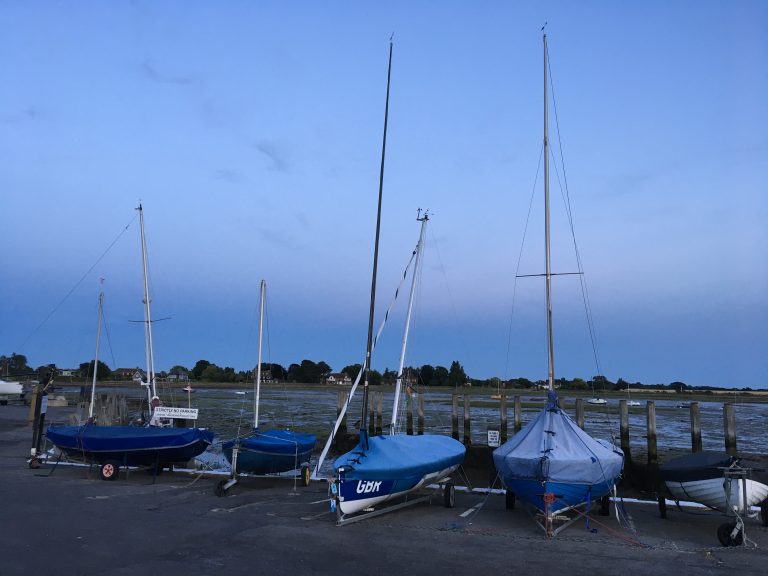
65 520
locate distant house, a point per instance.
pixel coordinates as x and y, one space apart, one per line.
178 377
69 372
338 378
129 374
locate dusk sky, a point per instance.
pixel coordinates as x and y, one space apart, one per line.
251 132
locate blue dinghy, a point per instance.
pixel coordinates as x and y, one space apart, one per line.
271 451
392 466
553 456
130 445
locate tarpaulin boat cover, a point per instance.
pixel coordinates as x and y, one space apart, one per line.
276 442
553 448
95 439
698 466
401 455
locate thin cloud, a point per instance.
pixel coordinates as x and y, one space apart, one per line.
26 115
227 175
278 239
278 161
153 74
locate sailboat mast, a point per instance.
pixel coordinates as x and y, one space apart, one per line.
151 392
367 367
398 386
258 362
550 347
96 356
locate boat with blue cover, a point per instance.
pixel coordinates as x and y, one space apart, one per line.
157 444
130 445
382 468
271 451
551 463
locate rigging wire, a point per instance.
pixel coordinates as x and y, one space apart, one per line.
567 200
80 281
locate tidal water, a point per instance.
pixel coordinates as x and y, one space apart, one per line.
313 410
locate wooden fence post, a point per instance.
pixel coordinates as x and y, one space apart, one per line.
503 416
518 415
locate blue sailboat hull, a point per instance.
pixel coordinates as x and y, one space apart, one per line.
130 445
392 466
565 495
271 451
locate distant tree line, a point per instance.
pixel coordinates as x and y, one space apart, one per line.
310 372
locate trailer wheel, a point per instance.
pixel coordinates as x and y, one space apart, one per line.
305 475
510 500
449 495
724 534
109 470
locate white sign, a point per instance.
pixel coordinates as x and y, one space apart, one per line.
173 412
494 438
44 405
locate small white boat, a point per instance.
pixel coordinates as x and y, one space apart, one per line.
633 403
702 478
596 400
188 389
10 387
241 392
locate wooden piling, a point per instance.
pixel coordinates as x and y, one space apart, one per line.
372 414
467 432
455 416
729 416
379 409
518 414
695 428
409 417
653 456
580 412
624 435
561 402
421 414
503 417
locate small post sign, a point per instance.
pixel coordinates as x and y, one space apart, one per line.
494 438
174 412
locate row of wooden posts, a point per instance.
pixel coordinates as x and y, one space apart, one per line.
376 421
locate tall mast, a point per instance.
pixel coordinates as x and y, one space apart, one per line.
550 347
367 367
96 356
419 248
150 383
258 363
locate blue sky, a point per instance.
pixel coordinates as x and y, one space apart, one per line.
251 132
